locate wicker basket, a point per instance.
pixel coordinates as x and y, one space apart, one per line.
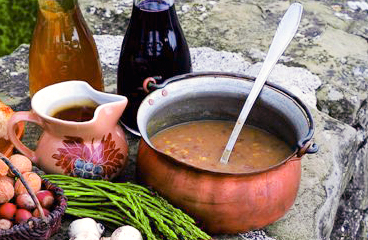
37 228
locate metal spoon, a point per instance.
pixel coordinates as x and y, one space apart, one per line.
284 33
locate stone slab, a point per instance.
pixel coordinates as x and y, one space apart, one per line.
324 175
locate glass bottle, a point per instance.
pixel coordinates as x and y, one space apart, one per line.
154 46
62 47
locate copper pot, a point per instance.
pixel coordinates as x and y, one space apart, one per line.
224 202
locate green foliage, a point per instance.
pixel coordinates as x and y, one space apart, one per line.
17 20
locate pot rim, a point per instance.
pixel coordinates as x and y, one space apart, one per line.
304 145
292 157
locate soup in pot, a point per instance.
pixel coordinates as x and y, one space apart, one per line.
201 144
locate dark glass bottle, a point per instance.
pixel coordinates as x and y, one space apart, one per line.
153 46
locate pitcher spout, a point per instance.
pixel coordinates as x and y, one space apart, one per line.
108 107
110 112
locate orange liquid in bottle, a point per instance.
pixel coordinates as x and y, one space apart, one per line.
62 47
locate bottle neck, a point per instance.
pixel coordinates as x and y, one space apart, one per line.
57 5
152 3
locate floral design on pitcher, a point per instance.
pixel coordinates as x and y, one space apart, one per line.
77 159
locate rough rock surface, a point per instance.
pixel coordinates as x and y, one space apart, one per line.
323 44
325 65
331 43
325 174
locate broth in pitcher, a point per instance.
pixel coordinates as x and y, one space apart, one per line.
78 112
201 143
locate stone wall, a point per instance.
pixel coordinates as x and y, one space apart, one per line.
325 65
331 45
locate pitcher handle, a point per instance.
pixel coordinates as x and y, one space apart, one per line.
17 117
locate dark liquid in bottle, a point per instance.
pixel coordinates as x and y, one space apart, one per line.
153 46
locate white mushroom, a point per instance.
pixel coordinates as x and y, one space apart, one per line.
126 233
85 236
86 226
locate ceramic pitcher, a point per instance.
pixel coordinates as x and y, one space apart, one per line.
95 148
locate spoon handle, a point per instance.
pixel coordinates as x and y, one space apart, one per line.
284 33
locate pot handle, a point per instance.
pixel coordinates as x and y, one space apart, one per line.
308 148
313 148
305 145
150 84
